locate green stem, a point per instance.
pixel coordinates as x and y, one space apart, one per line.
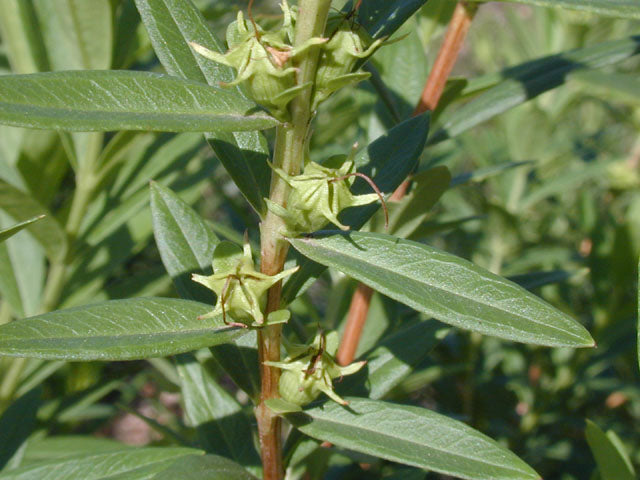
290 145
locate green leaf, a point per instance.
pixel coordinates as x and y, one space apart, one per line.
447 287
123 100
611 458
129 463
388 160
412 436
206 467
527 81
22 207
22 37
383 17
55 447
638 342
240 360
428 187
11 231
613 8
130 329
17 423
172 24
78 35
393 359
184 240
618 86
222 425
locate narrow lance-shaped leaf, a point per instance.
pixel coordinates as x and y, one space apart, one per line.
381 18
17 423
172 24
612 8
527 81
185 241
447 287
124 100
611 458
130 463
204 467
222 425
388 160
412 436
131 329
11 231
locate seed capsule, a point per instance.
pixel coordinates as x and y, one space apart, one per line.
310 369
240 288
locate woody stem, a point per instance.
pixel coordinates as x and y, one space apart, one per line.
290 145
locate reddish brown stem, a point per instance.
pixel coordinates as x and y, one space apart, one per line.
446 59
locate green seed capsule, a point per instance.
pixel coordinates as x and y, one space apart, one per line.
310 369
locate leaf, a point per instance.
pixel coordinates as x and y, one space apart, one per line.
184 240
21 37
527 81
222 425
22 207
11 231
17 423
130 463
428 187
123 100
130 329
613 462
619 86
239 359
614 8
447 287
54 447
412 436
204 467
388 160
172 24
383 17
78 34
393 359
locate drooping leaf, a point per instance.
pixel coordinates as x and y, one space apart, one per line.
612 8
22 207
527 81
11 231
388 160
184 240
204 467
617 86
611 458
17 423
130 463
123 100
447 287
412 436
172 24
116 330
223 427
